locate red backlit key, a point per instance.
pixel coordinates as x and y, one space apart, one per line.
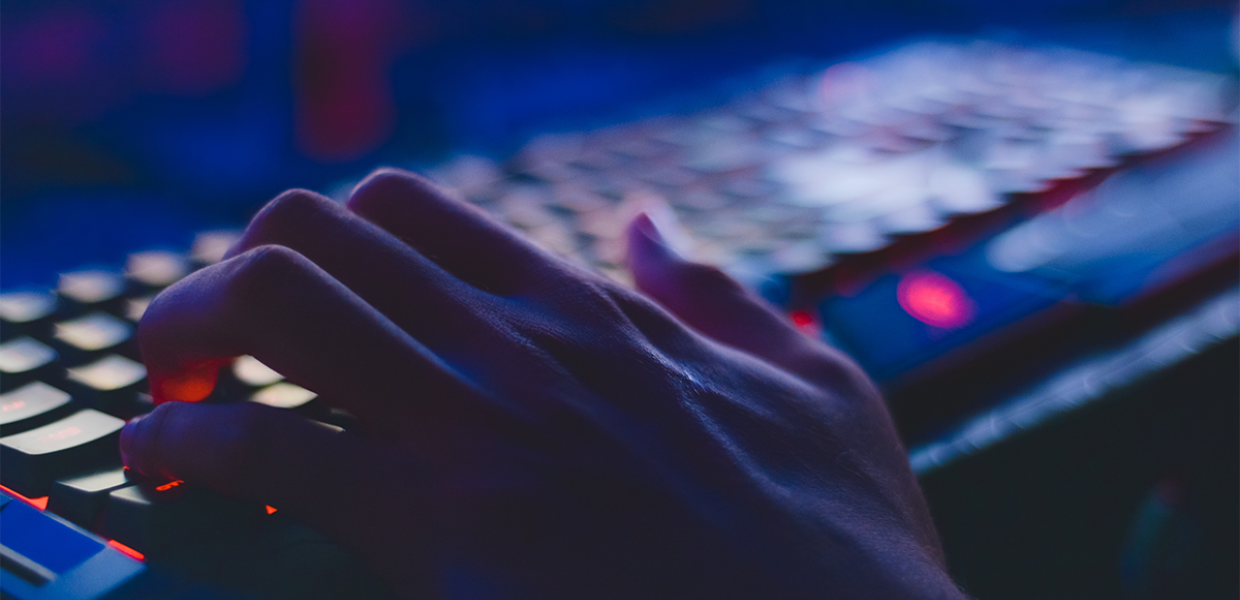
171 518
33 405
31 461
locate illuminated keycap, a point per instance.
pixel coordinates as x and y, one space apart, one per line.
90 288
284 395
210 246
92 333
111 384
136 307
20 307
24 356
31 461
32 405
109 373
249 371
156 268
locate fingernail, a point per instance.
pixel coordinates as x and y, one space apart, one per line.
661 225
646 225
190 385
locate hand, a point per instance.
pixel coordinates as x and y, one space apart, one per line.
526 428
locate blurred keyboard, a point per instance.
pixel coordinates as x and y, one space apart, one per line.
905 178
874 195
804 171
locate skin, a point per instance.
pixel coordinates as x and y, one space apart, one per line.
528 429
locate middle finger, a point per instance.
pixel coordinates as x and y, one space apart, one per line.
411 290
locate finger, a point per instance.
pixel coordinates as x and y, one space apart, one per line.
707 299
458 236
276 305
332 481
400 283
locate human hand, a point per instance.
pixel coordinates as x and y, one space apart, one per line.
527 428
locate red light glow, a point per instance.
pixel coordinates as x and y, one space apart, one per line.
935 299
39 503
127 551
171 484
271 510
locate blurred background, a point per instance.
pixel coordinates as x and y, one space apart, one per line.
1021 217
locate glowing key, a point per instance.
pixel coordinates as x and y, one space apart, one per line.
935 299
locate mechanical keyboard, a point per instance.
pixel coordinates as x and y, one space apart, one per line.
805 185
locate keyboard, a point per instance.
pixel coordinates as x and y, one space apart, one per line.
819 187
815 173
75 523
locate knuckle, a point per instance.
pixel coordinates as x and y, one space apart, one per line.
261 274
383 184
264 264
292 205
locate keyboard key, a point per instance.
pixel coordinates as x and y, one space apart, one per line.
250 372
81 499
31 461
210 246
86 337
26 313
136 307
163 518
293 397
111 384
91 290
30 406
23 360
156 269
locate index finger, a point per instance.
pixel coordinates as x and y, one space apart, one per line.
274 304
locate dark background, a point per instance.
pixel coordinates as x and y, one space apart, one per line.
133 124
130 124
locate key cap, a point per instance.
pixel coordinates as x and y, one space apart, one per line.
155 269
210 246
27 313
293 397
81 499
23 360
111 384
172 518
43 556
31 461
250 372
87 290
136 307
32 405
87 337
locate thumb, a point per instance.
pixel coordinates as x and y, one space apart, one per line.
707 299
331 480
